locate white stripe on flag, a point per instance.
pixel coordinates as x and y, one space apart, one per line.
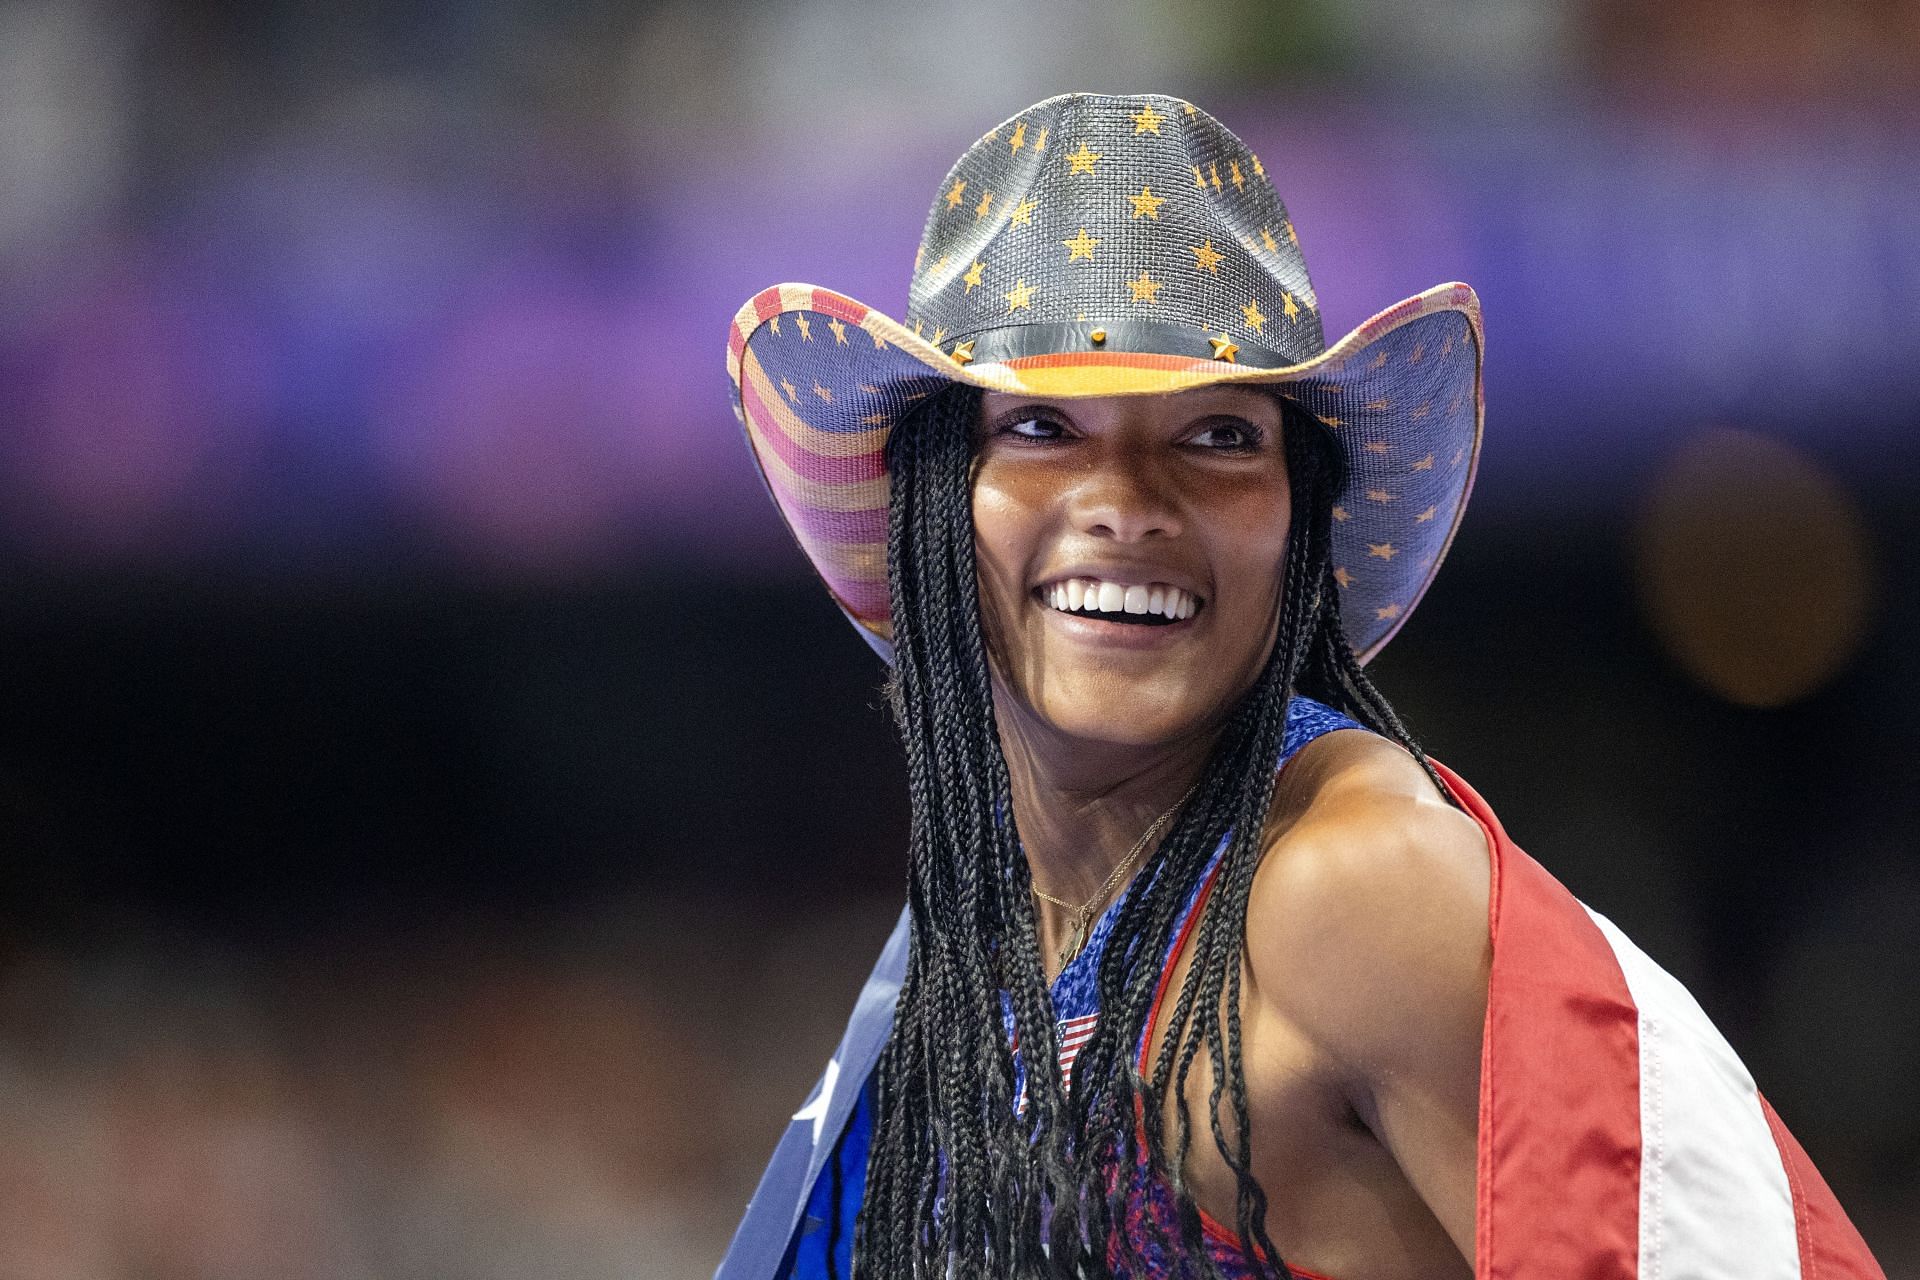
1714 1198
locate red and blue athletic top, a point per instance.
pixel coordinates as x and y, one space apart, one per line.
826 1232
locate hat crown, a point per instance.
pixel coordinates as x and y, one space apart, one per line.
1099 209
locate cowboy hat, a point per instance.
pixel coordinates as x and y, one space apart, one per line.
1098 245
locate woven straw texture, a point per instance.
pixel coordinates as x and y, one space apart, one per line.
1102 245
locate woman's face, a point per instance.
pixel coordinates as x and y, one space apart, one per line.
1130 552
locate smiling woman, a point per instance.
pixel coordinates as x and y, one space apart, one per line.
1207 969
1097 734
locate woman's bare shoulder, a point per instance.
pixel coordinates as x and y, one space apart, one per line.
1367 922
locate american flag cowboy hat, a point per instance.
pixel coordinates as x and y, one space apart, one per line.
1109 245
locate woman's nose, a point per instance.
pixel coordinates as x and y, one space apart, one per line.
1123 497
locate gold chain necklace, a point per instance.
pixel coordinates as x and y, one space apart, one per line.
1083 914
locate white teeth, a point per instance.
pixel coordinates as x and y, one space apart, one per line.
1091 595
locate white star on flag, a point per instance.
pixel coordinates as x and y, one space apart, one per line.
816 1108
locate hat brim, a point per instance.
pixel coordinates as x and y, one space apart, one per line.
819 394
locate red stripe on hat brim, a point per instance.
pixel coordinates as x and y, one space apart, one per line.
1116 359
870 465
827 525
838 305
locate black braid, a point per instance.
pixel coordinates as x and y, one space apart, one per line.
960 1186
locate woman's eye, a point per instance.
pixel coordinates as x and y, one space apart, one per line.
1237 437
1034 429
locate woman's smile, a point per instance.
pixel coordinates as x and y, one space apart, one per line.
1107 612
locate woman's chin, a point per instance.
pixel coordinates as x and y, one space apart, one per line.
1119 718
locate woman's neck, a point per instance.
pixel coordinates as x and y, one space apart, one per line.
1081 809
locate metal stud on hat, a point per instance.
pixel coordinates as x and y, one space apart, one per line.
1114 245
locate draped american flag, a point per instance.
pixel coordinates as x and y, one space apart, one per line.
1620 1136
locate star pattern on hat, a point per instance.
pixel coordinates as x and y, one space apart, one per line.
1147 120
1147 204
1127 216
1145 288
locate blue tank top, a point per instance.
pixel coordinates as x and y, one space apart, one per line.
824 1244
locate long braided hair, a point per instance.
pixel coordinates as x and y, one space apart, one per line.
960 1184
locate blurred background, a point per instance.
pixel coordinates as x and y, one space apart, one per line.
443 823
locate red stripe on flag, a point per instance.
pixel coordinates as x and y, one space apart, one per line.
1830 1245
766 303
1559 1158
1074 1034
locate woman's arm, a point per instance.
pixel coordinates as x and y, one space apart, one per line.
1368 930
